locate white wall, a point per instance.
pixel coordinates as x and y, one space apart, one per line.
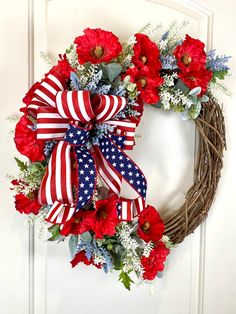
200 274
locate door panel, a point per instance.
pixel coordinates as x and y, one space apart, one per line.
35 276
168 143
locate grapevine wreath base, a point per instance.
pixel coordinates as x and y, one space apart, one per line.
209 162
77 124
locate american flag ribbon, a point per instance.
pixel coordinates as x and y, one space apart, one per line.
69 117
129 209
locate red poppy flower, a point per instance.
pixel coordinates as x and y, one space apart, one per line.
81 257
190 54
151 226
26 141
146 53
154 264
197 78
97 45
105 218
78 224
27 205
147 83
63 67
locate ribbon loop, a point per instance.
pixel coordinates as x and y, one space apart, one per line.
71 117
75 105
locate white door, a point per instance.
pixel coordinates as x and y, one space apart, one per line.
35 276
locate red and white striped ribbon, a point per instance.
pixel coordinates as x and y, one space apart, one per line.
59 213
75 105
45 93
50 125
49 88
109 175
56 184
127 128
129 209
107 106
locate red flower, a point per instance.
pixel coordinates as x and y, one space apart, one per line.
147 83
151 226
146 53
63 67
78 224
197 79
81 257
26 142
97 45
154 264
27 205
105 218
190 54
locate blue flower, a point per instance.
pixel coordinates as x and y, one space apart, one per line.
217 63
168 62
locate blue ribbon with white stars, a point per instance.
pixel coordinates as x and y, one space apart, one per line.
110 146
124 165
86 169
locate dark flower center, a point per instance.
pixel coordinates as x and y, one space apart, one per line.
143 82
101 214
192 78
143 59
146 226
98 52
78 220
186 59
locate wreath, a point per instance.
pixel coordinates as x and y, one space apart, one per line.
77 124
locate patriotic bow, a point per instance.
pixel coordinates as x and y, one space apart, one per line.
77 120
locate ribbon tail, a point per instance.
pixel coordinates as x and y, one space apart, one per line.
59 213
120 166
129 209
56 184
87 175
110 176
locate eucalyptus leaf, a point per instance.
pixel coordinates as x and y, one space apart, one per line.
72 245
195 91
204 98
195 113
86 237
180 85
127 79
193 99
113 71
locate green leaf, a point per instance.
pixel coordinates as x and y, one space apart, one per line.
195 111
180 85
158 104
116 260
219 74
113 70
55 232
72 245
21 164
204 98
125 279
86 237
195 91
